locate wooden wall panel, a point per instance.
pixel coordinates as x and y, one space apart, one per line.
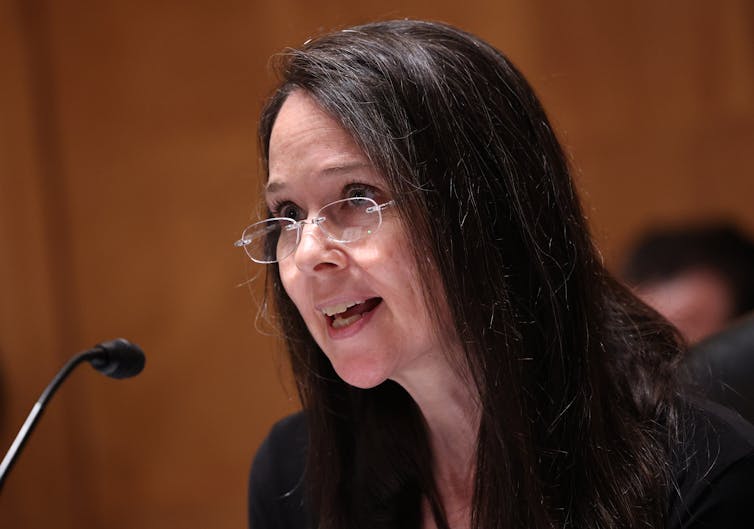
129 166
655 103
30 299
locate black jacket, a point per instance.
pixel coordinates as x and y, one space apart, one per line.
714 479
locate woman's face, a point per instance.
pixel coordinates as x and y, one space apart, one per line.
388 334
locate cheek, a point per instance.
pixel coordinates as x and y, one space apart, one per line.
430 312
287 279
393 248
406 279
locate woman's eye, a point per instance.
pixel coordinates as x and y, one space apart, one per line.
361 191
288 210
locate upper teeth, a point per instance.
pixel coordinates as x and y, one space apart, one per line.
342 307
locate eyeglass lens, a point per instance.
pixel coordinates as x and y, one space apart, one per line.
342 221
350 219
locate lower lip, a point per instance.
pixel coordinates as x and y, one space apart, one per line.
355 327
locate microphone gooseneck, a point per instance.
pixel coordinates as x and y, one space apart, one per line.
117 358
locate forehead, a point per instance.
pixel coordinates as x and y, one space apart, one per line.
306 138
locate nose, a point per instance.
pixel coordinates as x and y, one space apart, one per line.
316 252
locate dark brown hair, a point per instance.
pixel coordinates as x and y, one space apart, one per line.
574 376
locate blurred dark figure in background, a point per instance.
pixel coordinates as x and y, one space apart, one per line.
699 277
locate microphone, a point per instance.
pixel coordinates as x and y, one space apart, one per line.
117 358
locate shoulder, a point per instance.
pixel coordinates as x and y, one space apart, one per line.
714 471
276 482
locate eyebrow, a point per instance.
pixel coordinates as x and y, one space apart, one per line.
274 187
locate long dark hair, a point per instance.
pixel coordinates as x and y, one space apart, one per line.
574 376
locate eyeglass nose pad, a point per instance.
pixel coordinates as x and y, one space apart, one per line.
315 226
315 230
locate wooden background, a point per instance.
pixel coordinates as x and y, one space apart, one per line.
128 167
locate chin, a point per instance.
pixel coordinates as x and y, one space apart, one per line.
361 374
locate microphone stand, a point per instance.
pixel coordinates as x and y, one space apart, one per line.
36 412
127 361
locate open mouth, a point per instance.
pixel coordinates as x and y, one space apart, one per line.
346 314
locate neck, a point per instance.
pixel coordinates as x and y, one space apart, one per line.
451 410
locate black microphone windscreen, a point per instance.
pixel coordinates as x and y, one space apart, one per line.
118 358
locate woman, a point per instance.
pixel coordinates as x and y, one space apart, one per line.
462 357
